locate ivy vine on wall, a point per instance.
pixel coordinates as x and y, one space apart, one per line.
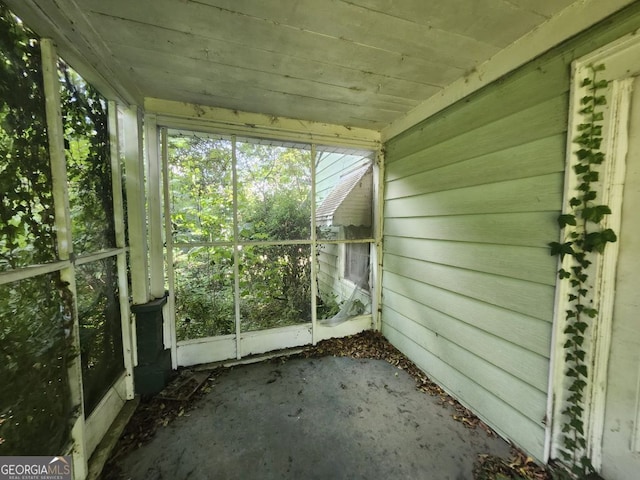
584 236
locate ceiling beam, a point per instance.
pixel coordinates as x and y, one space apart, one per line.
221 120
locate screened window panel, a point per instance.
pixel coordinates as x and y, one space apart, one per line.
344 196
342 295
100 328
35 401
275 286
200 189
86 132
274 192
204 291
26 205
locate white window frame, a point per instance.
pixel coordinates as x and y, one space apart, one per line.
173 116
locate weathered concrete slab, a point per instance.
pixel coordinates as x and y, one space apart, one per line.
320 418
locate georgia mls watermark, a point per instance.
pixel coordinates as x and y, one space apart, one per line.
36 468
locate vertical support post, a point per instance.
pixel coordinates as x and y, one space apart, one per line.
170 310
136 214
236 252
314 251
377 260
156 260
65 246
118 212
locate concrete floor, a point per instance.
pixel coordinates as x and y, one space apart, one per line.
320 418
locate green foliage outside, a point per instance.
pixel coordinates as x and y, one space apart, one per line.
204 292
88 156
89 176
275 286
201 189
274 204
35 314
26 205
101 354
35 406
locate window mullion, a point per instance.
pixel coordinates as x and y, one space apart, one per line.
236 252
118 213
31 271
314 249
376 247
116 175
170 310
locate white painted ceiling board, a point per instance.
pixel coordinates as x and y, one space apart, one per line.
494 22
375 30
547 8
220 73
331 50
358 63
221 52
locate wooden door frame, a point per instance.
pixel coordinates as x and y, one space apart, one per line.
617 58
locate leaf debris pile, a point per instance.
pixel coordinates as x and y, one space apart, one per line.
518 467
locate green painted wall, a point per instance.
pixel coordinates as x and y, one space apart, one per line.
471 198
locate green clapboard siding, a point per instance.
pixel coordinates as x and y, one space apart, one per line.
544 120
481 257
530 367
534 194
528 298
472 394
471 198
328 274
474 171
528 332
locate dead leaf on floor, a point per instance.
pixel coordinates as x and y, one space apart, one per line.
518 467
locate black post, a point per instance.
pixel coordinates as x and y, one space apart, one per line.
154 361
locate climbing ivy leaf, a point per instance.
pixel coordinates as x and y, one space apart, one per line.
580 168
561 249
562 274
595 214
591 176
598 240
574 202
566 219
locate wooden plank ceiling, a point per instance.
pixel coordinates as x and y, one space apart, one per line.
359 63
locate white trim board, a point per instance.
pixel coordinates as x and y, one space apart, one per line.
617 57
103 415
232 122
575 18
